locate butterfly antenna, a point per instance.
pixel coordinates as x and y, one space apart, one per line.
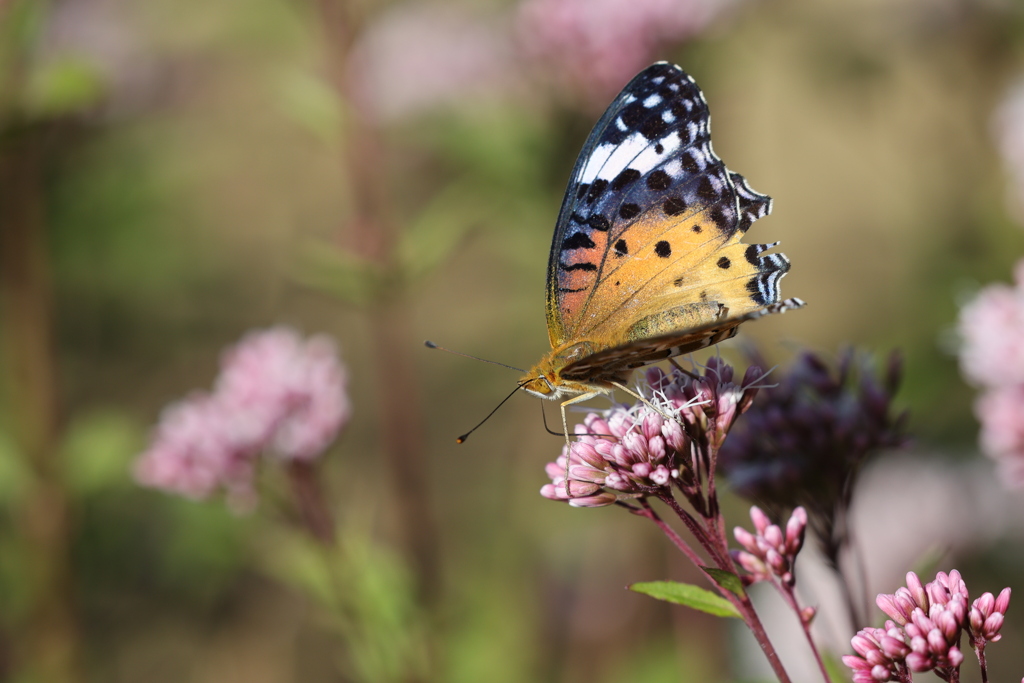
462 439
432 345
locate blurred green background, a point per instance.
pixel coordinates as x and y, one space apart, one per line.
174 173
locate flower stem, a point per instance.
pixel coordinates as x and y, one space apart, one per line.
309 499
648 512
746 608
979 650
29 386
373 233
714 546
742 603
790 597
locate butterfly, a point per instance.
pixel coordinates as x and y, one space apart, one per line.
646 261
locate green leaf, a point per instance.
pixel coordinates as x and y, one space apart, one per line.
726 580
689 595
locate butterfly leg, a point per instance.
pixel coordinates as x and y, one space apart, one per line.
565 430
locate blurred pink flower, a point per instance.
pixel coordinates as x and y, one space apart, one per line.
992 356
276 393
284 391
597 45
1001 413
421 56
992 331
193 452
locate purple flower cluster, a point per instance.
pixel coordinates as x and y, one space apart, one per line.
653 445
276 393
805 439
769 552
924 631
992 356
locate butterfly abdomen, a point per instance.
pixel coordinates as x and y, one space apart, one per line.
679 318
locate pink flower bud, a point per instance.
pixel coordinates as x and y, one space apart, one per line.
776 561
675 437
752 564
918 662
773 535
894 648
862 645
917 591
554 491
661 475
990 629
795 529
600 500
587 453
880 673
937 594
759 519
652 425
955 583
888 604
984 604
936 641
745 538
618 481
947 623
642 469
1003 601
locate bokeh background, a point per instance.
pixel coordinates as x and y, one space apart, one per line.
173 174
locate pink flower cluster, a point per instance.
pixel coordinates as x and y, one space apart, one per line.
769 552
624 450
924 631
276 393
633 451
992 356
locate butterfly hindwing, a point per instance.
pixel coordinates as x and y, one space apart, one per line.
648 237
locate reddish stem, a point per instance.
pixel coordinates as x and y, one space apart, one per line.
789 595
309 500
28 373
741 603
372 234
979 650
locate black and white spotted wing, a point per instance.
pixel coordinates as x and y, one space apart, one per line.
651 150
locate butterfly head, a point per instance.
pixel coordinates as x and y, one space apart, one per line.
545 379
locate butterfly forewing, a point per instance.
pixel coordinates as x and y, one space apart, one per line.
648 237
